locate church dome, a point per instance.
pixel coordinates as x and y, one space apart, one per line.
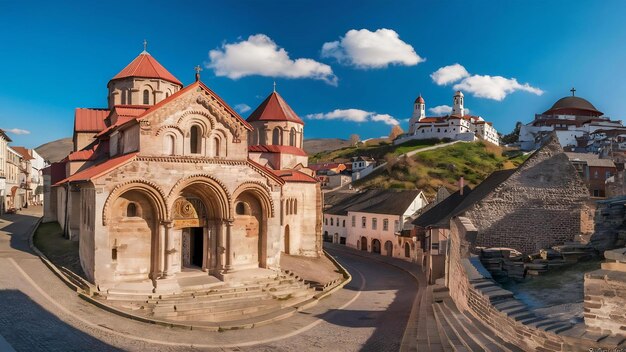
146 66
573 106
420 100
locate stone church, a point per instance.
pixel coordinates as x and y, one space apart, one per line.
169 179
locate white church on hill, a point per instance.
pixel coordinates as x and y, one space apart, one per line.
456 126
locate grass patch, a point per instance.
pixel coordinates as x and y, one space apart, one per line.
376 150
432 169
59 250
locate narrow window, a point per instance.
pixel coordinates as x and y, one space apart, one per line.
194 140
386 225
276 136
353 221
374 223
168 146
332 222
114 254
363 222
295 208
216 143
131 210
292 137
146 97
344 223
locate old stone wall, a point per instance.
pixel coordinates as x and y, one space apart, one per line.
473 290
538 206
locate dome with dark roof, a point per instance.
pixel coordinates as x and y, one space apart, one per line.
419 100
573 106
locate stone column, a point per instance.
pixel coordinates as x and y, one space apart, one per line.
205 248
161 249
227 248
168 250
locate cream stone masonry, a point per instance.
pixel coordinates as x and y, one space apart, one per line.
172 187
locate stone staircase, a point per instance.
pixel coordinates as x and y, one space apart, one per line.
442 327
219 303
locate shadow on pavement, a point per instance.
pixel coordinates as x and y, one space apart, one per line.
29 327
18 229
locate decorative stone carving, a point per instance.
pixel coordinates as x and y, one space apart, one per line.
236 127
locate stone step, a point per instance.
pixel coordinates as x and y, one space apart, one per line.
182 305
207 296
225 315
449 332
233 308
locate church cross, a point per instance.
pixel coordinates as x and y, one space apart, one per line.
274 86
145 45
573 90
197 69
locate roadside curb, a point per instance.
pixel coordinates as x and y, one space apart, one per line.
280 314
409 338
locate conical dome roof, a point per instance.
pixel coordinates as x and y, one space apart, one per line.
274 108
146 66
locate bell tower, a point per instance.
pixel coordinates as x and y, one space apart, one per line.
457 108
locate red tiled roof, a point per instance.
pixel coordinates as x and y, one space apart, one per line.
294 176
23 152
99 169
274 108
146 66
276 149
324 166
81 155
89 120
267 171
130 110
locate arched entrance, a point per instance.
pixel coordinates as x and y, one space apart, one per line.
199 226
388 248
248 234
133 236
375 246
286 244
407 250
363 243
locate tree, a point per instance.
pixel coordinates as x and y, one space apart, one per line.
396 131
512 137
354 140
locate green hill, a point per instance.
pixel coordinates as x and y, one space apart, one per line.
377 149
432 169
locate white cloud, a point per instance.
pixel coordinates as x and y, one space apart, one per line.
444 110
17 131
448 74
494 87
490 87
365 49
241 108
354 115
259 55
386 118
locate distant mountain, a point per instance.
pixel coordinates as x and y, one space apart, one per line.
316 145
56 150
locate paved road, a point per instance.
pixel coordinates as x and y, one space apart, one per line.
39 313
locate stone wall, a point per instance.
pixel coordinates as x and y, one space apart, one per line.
605 295
474 291
538 206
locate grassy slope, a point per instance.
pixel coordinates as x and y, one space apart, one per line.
375 150
442 167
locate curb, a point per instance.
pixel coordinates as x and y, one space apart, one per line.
280 314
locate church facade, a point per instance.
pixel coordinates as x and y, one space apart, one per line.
170 179
455 126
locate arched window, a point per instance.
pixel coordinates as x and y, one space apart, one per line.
292 137
195 141
167 94
295 208
168 145
131 210
240 209
216 145
277 136
146 97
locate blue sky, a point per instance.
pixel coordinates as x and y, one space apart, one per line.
59 56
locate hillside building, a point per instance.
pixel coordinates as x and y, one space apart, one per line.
577 123
456 126
167 179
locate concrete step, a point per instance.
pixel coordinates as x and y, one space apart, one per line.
449 334
506 346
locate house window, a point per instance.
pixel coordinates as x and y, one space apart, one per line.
363 222
386 225
326 221
374 223
332 222
353 221
344 223
146 97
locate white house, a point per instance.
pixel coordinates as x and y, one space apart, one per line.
373 219
456 126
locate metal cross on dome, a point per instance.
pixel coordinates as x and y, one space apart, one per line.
573 90
145 45
197 69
